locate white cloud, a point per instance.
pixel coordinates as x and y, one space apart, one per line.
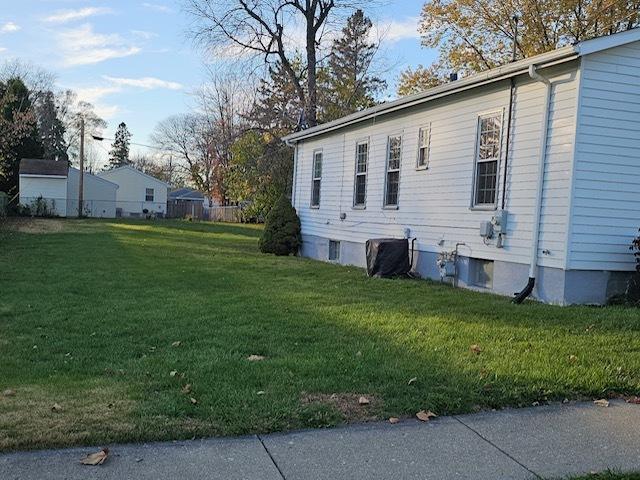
64 16
3 49
146 83
144 34
157 7
393 31
9 27
82 46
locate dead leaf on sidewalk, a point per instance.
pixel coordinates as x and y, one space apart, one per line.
56 407
634 400
363 401
8 393
394 420
475 348
425 416
603 402
256 358
96 458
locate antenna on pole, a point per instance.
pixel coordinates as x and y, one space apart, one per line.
514 53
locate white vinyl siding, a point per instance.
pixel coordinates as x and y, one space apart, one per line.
360 182
606 191
436 206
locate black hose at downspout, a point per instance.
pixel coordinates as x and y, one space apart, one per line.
512 86
525 292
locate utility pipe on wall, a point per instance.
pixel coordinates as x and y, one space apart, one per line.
535 234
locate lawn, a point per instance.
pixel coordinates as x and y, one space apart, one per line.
128 331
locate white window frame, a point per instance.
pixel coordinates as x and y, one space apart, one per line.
476 160
427 129
365 174
315 179
146 195
387 171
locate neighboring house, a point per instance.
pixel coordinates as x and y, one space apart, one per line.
138 193
57 184
186 201
559 178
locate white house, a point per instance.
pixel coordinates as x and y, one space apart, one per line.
137 192
57 185
530 172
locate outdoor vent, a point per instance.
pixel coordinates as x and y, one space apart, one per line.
334 250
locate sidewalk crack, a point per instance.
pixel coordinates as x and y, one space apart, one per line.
273 460
499 449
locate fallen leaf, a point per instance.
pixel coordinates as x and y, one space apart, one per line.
425 416
358 353
603 402
363 401
573 358
634 400
193 400
260 392
255 358
173 373
96 458
176 344
186 388
394 420
412 381
476 349
56 407
8 393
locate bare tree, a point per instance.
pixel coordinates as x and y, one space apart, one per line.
265 28
190 138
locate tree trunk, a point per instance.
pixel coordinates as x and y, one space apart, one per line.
311 105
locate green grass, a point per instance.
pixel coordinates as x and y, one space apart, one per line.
89 311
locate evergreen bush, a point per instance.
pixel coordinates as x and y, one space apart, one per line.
281 235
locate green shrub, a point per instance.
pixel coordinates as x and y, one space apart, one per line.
281 234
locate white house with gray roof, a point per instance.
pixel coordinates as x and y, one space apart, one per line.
528 176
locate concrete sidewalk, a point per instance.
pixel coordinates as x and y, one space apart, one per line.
541 442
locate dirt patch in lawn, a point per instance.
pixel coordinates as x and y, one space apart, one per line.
348 404
33 225
35 417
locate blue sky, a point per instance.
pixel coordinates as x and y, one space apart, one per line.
134 60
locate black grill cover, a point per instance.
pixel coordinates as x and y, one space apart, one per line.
387 257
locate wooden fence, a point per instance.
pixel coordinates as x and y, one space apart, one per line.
230 214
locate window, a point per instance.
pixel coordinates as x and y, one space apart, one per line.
487 157
334 250
394 151
424 139
149 195
482 273
317 177
360 190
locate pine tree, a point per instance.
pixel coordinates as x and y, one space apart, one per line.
119 153
349 85
52 130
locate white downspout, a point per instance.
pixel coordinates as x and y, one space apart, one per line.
535 234
295 171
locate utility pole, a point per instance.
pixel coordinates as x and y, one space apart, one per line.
81 178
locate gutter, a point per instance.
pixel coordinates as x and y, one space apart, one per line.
535 234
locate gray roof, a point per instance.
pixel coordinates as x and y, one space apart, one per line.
39 166
561 55
186 194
